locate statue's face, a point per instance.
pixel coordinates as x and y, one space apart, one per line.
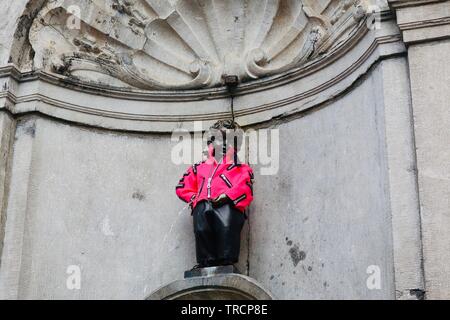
216 139
220 137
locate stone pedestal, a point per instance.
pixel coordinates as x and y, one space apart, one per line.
215 283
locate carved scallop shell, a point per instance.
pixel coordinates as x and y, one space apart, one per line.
185 44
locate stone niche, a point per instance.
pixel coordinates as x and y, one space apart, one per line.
141 68
186 44
160 65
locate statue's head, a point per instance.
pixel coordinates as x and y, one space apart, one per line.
223 135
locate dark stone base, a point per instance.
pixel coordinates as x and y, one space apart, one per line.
211 271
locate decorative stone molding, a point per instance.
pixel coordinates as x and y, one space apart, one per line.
185 44
116 105
422 20
396 4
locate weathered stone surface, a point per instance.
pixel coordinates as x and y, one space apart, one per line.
424 23
430 75
12 24
162 111
403 191
229 286
425 26
6 134
347 195
324 219
98 200
185 44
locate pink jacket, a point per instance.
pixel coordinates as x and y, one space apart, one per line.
209 179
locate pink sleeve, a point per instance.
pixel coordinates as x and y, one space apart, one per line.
187 186
242 191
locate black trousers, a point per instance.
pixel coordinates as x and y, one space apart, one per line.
217 233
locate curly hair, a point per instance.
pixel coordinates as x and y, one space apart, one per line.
224 127
225 124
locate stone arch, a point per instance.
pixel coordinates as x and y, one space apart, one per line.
22 53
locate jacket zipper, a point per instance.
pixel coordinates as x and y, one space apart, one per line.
227 182
208 186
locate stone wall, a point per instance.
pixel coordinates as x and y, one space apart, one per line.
86 177
105 201
308 240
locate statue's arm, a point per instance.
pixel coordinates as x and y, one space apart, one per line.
187 188
242 190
